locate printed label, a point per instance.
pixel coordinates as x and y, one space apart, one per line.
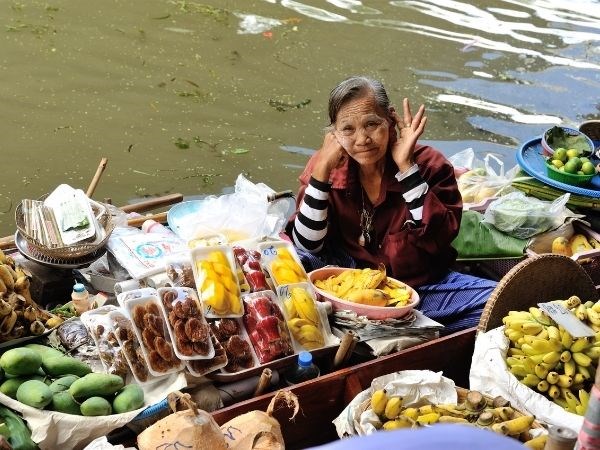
566 319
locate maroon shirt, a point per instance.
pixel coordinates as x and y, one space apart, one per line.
415 255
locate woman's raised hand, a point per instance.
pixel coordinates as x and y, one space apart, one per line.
331 155
409 130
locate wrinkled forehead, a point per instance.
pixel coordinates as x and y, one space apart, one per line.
358 108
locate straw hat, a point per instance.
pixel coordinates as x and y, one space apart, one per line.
538 279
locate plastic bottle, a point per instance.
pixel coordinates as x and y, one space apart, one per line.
80 298
304 370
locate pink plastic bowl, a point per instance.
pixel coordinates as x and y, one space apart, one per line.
372 312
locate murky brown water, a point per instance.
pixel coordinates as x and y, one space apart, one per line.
183 96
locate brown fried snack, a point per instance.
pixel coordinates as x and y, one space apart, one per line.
237 348
99 330
184 346
168 298
152 308
186 308
111 338
179 328
157 363
173 318
196 330
148 338
154 323
229 327
187 276
138 316
164 349
201 348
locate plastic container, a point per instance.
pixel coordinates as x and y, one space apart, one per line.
186 324
306 325
100 328
233 337
372 312
282 262
548 150
130 346
567 178
217 283
149 324
266 326
81 298
179 271
305 370
200 367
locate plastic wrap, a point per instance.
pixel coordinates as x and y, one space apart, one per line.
249 261
234 339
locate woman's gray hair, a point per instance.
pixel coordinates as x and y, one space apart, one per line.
356 87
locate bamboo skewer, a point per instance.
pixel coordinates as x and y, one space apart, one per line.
96 179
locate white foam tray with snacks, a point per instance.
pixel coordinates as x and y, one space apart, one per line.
181 294
138 377
130 305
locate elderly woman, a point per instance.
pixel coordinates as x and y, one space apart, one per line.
372 193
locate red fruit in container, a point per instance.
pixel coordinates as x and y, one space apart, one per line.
257 281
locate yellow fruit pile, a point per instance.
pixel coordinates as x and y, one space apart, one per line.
303 319
576 244
495 414
217 285
367 286
285 269
545 357
571 161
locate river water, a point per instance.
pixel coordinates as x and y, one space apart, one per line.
183 96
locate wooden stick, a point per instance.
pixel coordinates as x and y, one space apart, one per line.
138 221
345 345
264 382
97 175
153 203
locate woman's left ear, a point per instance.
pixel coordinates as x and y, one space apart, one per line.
393 132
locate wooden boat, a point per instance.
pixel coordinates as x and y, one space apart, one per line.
324 398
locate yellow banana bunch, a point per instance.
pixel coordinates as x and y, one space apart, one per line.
367 286
303 319
218 287
285 269
378 401
392 408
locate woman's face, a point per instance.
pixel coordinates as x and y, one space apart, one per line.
363 130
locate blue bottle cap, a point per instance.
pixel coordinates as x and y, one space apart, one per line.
304 359
78 287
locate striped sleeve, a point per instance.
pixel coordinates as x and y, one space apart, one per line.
414 189
310 225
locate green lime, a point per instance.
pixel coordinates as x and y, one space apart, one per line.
583 159
588 168
562 169
579 172
575 160
571 166
560 154
557 163
572 152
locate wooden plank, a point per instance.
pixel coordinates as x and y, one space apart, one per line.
324 398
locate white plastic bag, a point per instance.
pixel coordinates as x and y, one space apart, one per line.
244 214
490 376
523 217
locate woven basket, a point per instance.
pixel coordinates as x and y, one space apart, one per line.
537 279
70 252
